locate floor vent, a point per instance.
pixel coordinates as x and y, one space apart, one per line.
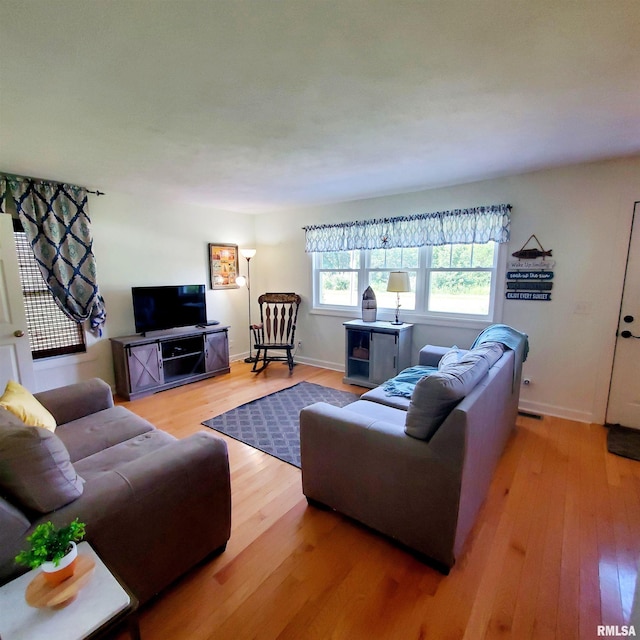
526 414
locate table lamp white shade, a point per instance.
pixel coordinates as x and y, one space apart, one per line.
399 283
248 253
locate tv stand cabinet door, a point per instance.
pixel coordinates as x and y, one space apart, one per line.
216 352
144 362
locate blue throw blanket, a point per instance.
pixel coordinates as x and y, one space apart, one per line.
405 382
510 338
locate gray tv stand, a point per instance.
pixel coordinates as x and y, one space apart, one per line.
166 359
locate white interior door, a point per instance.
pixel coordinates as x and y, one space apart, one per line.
624 394
16 362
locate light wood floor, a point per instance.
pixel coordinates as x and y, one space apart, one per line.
553 554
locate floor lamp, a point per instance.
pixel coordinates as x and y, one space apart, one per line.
248 254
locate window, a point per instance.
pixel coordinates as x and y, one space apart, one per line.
381 262
460 280
51 332
337 274
454 280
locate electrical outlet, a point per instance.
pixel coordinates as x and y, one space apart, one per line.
299 344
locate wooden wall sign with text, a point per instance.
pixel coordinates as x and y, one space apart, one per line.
530 279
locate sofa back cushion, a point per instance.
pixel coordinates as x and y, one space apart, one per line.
435 396
9 419
35 470
489 351
453 356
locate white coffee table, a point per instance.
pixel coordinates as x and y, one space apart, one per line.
101 604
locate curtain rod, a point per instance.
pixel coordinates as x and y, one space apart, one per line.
11 176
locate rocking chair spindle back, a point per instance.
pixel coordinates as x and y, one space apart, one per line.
276 331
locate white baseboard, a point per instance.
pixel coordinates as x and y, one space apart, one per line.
542 408
323 364
536 408
312 362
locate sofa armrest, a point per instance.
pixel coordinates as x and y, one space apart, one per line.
193 460
431 355
155 517
352 436
76 400
13 529
370 470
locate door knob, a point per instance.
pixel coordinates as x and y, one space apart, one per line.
628 334
628 318
18 333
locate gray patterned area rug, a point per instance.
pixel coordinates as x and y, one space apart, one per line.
624 442
271 424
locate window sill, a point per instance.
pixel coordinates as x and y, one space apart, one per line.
62 361
410 317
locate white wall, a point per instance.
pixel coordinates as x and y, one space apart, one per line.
142 241
582 212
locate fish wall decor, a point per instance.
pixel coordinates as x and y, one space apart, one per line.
532 254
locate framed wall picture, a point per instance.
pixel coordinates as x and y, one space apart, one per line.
223 265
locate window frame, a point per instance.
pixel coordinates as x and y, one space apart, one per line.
421 314
54 316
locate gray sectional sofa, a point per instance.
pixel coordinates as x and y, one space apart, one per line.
418 468
154 506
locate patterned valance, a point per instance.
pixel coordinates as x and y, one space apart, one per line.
460 226
56 222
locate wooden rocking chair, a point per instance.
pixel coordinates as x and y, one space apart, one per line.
277 328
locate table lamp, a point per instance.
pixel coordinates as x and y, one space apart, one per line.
399 283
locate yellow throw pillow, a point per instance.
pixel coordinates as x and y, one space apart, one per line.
22 404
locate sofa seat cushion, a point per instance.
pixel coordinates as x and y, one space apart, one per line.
119 454
35 470
404 383
380 396
436 395
101 430
378 411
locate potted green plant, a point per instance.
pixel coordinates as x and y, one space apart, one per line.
53 549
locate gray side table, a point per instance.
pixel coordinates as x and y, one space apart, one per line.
375 351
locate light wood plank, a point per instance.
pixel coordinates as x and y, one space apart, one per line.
552 555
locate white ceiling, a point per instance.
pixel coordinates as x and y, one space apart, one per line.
258 105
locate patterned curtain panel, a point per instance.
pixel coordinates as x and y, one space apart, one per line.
461 226
57 225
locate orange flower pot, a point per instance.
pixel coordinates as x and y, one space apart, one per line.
55 574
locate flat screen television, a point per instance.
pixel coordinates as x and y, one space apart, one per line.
168 307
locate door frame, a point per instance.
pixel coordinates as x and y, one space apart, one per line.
16 321
636 213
